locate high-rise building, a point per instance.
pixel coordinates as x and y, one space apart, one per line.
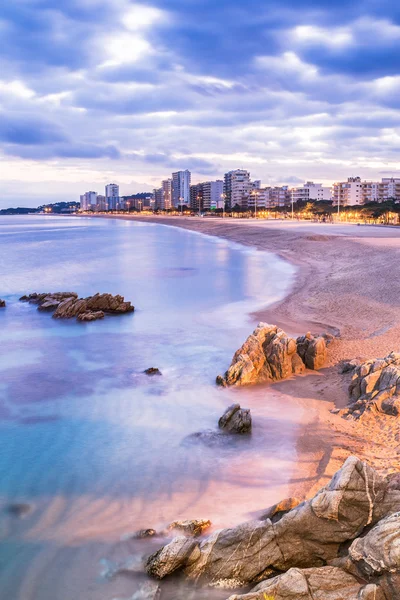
208 195
101 204
311 191
181 188
88 201
348 193
112 196
158 196
237 186
166 201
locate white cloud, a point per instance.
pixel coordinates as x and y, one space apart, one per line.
16 88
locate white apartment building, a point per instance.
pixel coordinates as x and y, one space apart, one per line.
269 197
311 191
88 201
237 186
208 195
112 196
348 193
390 188
181 188
166 199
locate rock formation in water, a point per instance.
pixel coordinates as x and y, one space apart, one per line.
375 386
67 305
236 420
269 354
2 303
302 555
191 527
151 371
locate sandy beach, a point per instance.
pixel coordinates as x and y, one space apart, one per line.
348 284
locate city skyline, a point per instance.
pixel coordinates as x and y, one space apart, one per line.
119 91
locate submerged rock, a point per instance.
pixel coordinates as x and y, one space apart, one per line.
269 354
2 303
147 591
139 535
151 371
67 305
375 386
19 510
308 536
91 316
235 420
194 527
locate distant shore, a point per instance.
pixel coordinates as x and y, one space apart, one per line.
348 282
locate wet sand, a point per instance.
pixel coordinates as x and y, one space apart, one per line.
347 283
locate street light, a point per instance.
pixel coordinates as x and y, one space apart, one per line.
181 203
198 202
223 196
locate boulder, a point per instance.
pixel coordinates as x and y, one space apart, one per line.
210 438
378 552
325 583
139 535
269 354
2 303
312 351
309 535
375 386
349 365
151 371
67 305
194 527
182 551
235 420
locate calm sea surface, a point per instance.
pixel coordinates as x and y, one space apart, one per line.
94 446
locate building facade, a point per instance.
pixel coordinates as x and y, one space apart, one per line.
207 196
88 201
101 203
166 201
112 196
236 187
181 188
311 191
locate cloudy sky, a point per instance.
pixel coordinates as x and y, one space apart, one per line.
93 91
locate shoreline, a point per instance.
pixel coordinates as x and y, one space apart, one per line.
341 286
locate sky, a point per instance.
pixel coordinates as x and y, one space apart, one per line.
100 91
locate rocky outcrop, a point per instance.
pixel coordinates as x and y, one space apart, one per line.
236 420
308 536
325 583
269 354
375 386
276 512
2 303
67 305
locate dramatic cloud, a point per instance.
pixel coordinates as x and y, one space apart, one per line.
99 90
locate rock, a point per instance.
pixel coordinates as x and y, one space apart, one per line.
269 354
151 371
312 351
349 365
235 420
276 512
194 528
378 551
139 535
309 535
325 583
2 303
182 551
67 305
147 591
19 510
91 316
210 438
375 386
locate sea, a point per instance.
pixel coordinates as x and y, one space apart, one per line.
93 448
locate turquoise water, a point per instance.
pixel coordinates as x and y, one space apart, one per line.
93 445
